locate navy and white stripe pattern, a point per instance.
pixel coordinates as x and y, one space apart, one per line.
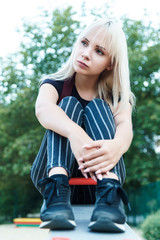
55 150
99 124
59 151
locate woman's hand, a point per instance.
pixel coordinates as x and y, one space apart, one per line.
104 156
106 153
78 138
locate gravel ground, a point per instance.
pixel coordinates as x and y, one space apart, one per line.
11 232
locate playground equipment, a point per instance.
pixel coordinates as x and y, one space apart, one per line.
81 232
82 215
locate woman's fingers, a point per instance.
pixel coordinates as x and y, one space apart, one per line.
105 170
98 159
94 144
100 168
92 163
93 176
91 156
99 176
84 174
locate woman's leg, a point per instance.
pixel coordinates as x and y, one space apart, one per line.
53 181
58 148
55 151
39 167
108 214
99 124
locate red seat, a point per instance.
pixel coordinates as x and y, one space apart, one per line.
82 181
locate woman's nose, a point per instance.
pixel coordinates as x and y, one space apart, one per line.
86 54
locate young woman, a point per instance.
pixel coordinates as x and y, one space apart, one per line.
92 126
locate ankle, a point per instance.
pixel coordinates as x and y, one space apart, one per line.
59 177
110 175
57 170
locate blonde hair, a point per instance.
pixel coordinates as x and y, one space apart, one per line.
116 82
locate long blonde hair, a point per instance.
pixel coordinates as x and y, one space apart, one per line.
115 83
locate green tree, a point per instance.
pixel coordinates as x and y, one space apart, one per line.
44 48
142 161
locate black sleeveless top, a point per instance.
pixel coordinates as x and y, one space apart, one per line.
59 87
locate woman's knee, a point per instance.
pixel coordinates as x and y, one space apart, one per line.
99 119
73 108
100 106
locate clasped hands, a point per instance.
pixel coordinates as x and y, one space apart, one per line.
99 158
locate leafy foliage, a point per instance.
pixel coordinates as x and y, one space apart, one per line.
144 54
44 48
151 227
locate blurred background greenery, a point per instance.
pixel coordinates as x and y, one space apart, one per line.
44 47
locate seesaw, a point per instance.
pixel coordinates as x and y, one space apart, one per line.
82 215
81 232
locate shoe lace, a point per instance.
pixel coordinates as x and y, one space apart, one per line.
53 189
109 193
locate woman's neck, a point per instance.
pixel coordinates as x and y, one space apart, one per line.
86 82
86 86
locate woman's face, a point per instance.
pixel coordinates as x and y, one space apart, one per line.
91 58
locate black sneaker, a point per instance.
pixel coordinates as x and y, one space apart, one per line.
109 214
56 212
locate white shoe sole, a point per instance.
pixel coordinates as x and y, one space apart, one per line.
106 225
58 223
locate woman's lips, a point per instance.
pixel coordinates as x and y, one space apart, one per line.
82 64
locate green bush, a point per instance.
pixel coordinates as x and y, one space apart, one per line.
151 227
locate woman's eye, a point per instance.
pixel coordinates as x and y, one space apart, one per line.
84 43
99 52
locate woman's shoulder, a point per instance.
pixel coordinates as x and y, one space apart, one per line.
52 82
58 85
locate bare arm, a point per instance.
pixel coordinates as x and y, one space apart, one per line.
124 132
54 118
50 115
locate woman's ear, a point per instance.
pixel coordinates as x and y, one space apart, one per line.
111 64
109 67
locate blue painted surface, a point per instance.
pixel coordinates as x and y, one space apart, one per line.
81 232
